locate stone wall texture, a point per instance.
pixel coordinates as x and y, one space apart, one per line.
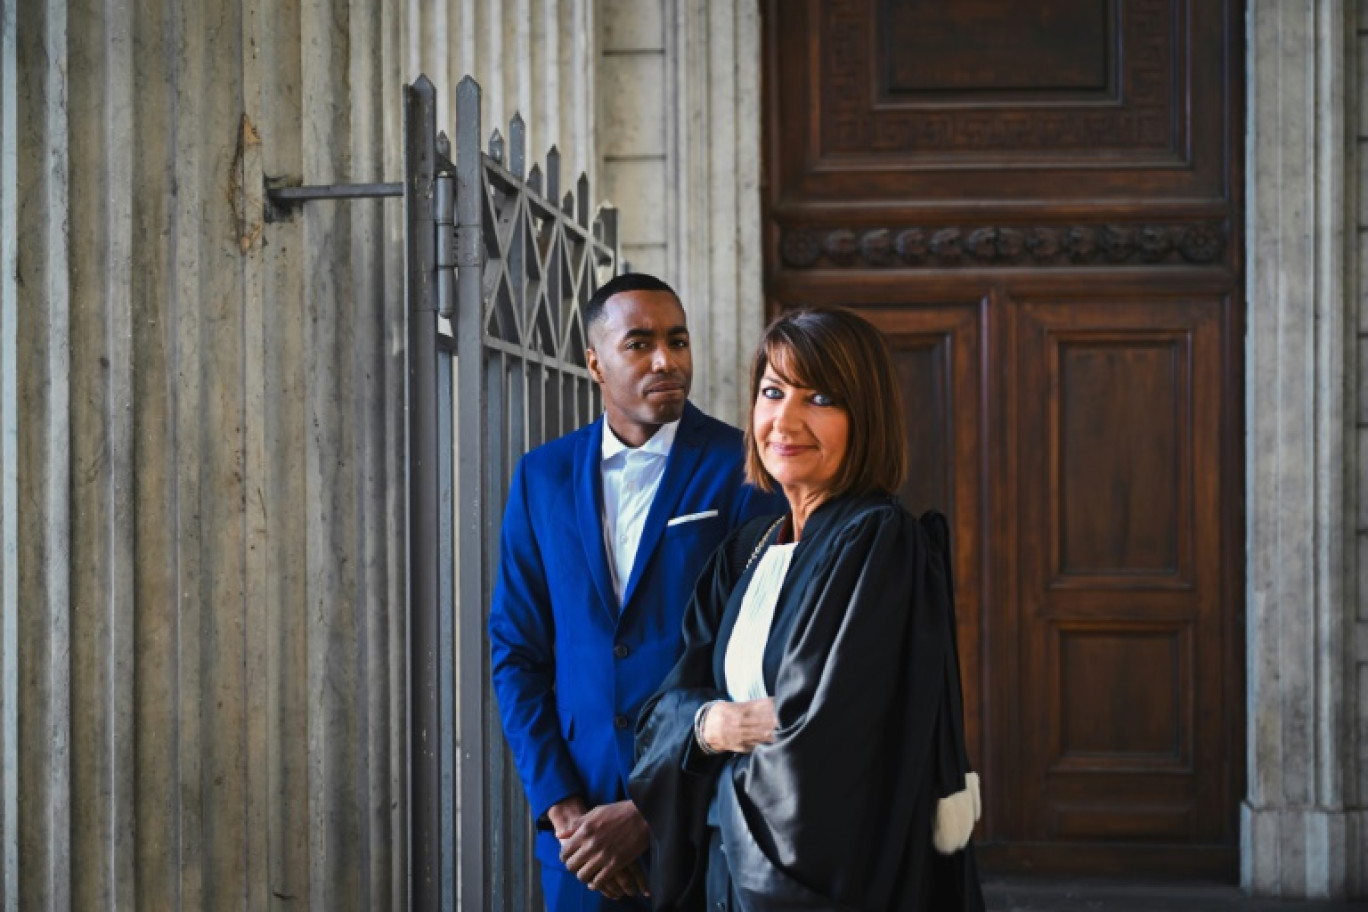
202 577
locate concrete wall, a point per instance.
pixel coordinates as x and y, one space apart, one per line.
201 427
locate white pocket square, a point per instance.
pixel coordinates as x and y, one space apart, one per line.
691 517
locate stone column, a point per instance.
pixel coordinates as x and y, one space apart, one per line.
679 135
715 242
9 459
1300 836
630 137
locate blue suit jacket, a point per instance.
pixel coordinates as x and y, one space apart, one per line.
571 667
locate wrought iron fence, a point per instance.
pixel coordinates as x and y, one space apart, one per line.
499 264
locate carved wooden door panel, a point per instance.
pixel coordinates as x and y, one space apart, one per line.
1039 203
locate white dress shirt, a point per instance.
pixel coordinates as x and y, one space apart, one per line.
744 665
630 478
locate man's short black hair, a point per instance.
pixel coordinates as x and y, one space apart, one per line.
628 281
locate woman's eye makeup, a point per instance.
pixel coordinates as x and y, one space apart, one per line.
821 400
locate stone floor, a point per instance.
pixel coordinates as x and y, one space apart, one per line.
1079 895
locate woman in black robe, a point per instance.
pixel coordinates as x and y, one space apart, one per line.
807 750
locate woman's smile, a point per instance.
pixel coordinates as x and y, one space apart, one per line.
790 450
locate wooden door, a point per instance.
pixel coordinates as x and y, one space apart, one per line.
1039 203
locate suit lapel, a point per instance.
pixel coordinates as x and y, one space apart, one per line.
679 468
589 512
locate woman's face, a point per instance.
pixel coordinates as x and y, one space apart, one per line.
802 436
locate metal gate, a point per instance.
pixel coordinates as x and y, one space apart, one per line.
499 264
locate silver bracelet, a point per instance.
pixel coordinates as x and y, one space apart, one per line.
698 727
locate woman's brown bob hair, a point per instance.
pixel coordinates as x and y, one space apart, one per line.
842 356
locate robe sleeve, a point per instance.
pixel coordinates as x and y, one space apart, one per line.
836 812
952 755
672 782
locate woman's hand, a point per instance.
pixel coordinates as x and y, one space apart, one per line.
739 727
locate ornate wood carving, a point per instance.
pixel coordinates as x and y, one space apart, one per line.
1112 244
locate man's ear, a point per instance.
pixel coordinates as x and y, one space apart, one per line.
591 361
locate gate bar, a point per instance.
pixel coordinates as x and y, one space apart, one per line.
425 728
472 655
285 196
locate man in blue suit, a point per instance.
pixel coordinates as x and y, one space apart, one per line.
605 531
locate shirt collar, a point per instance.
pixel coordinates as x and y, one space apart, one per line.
658 445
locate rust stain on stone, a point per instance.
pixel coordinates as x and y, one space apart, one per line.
246 206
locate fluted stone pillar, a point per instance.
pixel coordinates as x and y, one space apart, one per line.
1302 826
714 188
202 519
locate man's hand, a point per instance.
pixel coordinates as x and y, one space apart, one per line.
565 812
601 848
739 727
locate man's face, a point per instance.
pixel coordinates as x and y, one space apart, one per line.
639 356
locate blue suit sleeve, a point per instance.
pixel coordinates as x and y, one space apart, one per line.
522 659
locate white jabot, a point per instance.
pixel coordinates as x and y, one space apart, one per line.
745 661
630 478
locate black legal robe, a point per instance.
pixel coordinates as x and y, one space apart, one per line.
861 659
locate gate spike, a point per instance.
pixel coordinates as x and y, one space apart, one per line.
517 144
467 116
534 179
496 146
608 218
444 145
568 204
553 175
582 191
